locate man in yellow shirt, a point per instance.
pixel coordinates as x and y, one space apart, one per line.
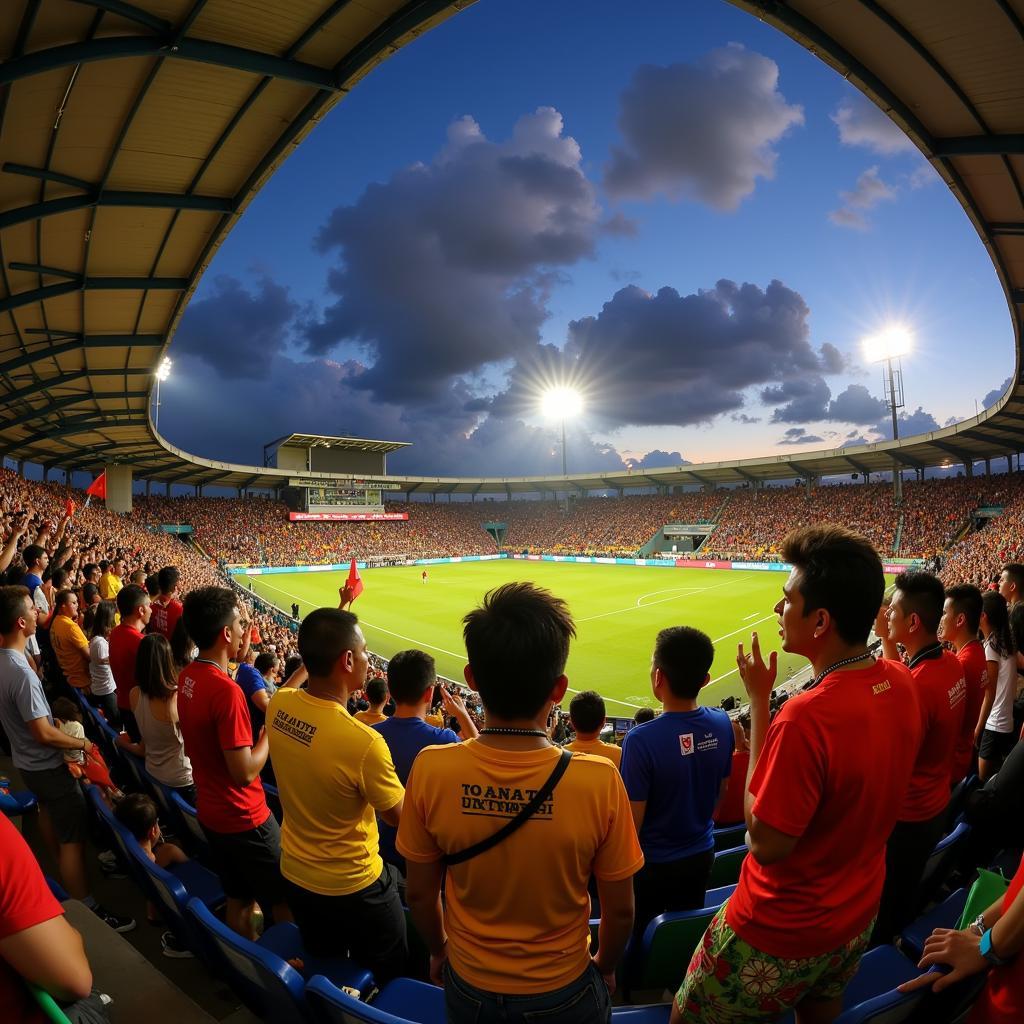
68 641
333 773
587 714
376 691
110 580
513 934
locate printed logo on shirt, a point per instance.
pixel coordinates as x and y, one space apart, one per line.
710 742
686 743
501 801
958 693
294 728
187 686
881 687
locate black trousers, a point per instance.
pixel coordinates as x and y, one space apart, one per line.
674 885
368 925
906 854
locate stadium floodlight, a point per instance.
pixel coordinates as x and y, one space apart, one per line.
162 372
894 342
562 403
891 344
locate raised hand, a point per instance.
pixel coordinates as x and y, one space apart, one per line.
758 678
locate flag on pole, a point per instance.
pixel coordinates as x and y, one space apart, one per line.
354 583
98 488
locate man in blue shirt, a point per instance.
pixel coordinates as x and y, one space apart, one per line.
411 681
676 768
258 682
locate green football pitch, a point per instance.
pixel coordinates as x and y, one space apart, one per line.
618 611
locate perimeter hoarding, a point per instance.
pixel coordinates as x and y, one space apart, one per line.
347 517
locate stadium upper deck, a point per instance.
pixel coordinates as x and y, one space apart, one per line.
134 135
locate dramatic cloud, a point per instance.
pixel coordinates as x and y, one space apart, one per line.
806 400
702 131
996 393
797 435
861 123
869 191
742 417
446 267
856 405
917 422
658 460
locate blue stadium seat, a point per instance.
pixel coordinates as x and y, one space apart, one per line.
14 804
665 950
730 836
944 915
941 862
958 798
192 833
259 973
726 868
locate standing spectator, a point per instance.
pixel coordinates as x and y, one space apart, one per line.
102 688
995 734
110 579
244 837
37 747
376 692
587 714
513 937
134 606
730 809
333 772
913 617
411 681
961 619
166 606
36 560
821 801
259 683
676 769
69 643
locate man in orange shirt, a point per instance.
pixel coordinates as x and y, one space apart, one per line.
587 713
376 691
69 642
513 937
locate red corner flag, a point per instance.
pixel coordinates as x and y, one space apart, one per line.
354 583
98 488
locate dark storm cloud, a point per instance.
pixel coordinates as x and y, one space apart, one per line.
237 330
797 435
805 398
446 267
856 405
996 393
917 422
704 131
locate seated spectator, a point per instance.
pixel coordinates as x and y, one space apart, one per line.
90 767
513 936
587 714
675 769
411 681
333 773
102 688
820 801
995 735
376 693
244 837
37 945
730 808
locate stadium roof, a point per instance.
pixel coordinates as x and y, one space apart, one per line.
133 135
352 444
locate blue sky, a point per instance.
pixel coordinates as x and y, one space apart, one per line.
399 277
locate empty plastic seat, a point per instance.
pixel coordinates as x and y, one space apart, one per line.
941 862
729 837
945 915
726 868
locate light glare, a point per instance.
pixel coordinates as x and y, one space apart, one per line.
562 403
891 343
163 371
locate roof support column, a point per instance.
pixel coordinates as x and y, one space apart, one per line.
149 488
21 468
988 467
119 488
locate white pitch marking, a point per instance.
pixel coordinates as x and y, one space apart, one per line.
742 628
670 590
746 617
633 607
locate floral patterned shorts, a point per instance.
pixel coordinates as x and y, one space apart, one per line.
729 982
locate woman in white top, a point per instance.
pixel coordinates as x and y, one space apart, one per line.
102 690
995 733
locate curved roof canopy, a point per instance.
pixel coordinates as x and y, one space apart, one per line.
133 134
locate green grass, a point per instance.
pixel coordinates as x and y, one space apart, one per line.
618 611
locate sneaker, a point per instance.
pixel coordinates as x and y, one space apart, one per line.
173 948
119 924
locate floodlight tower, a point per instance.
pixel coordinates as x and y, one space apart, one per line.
162 372
562 403
889 346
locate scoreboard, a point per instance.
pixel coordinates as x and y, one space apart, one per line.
352 495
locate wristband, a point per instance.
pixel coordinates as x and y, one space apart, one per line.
986 950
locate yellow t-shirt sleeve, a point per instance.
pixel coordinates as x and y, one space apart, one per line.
380 784
619 856
414 842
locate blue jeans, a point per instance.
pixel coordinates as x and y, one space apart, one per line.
585 1001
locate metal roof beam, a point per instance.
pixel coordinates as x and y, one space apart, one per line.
979 145
958 453
46 174
64 403
1017 296
749 477
248 482
859 466
201 51
901 456
179 476
804 474
52 291
1006 227
129 11
95 421
978 435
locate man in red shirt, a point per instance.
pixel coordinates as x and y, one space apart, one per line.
166 606
244 837
826 785
913 622
134 608
958 627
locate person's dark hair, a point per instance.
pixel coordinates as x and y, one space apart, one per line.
642 715
993 604
59 578
32 554
152 585
518 643
292 664
137 812
130 599
1012 569
104 565
325 634
62 598
12 606
376 690
265 662
89 592
181 644
409 675
66 710
206 612
88 569
154 667
841 572
102 619
967 601
684 656
924 596
168 577
587 711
